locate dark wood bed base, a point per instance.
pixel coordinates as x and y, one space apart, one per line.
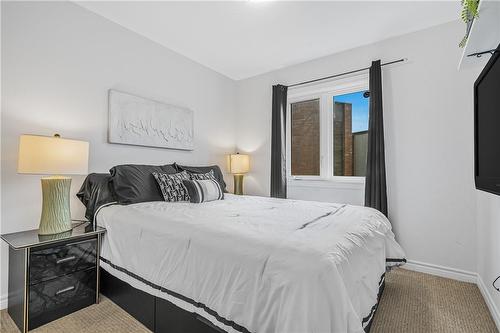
157 314
160 315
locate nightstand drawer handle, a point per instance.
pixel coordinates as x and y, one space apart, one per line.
65 290
63 260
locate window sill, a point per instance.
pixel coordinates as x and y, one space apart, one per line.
354 183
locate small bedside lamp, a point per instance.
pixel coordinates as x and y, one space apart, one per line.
53 156
239 165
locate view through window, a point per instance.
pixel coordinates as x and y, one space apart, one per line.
305 134
333 126
350 134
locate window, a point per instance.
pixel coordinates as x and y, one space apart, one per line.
327 133
350 134
305 138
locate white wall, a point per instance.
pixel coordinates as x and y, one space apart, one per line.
429 138
58 62
488 248
345 192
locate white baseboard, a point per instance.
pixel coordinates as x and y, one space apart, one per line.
3 302
485 291
443 271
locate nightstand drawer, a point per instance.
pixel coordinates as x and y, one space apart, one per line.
58 297
56 261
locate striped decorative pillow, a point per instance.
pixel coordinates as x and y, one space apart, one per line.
203 190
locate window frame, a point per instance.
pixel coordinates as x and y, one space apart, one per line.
325 92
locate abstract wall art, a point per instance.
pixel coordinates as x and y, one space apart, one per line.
140 121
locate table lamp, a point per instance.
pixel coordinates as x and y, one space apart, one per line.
53 156
239 165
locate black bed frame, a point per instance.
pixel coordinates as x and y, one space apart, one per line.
162 316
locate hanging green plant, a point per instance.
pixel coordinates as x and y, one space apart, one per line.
468 14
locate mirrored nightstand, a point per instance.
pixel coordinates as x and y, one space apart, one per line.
51 276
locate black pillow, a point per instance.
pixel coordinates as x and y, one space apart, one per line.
95 192
205 169
133 183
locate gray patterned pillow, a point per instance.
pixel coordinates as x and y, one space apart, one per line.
171 186
203 176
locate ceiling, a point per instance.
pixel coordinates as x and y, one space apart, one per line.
246 38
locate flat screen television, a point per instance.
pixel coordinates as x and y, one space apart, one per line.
487 126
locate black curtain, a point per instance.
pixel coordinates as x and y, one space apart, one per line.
375 186
278 141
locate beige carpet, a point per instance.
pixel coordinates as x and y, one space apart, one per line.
415 302
412 302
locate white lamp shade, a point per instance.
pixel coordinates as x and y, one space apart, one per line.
52 156
239 163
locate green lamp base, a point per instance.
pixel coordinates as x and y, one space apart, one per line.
56 214
238 184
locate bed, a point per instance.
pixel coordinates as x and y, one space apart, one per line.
242 264
247 264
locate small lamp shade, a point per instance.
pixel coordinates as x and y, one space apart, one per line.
239 163
52 156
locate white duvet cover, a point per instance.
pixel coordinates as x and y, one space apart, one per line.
252 263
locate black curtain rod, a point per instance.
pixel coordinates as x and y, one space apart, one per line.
345 73
479 54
